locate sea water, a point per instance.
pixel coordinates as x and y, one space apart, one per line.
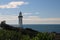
43 27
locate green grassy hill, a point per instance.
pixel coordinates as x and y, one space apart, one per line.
11 33
14 35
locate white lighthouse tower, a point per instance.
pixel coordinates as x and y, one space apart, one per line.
20 19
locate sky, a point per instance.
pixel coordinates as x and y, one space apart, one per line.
34 11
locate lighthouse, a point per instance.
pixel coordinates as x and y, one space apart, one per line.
20 19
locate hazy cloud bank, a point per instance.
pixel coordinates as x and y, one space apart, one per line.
30 20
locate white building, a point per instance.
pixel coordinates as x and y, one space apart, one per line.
20 19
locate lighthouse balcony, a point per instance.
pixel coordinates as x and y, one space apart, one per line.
20 16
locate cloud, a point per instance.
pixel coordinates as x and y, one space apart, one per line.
27 14
8 17
13 4
38 20
37 13
29 20
31 14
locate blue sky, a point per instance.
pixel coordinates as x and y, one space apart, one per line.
45 11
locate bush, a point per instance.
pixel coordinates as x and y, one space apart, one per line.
14 35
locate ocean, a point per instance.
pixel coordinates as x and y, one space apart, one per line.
43 27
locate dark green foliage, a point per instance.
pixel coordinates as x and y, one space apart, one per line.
44 36
9 35
14 35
